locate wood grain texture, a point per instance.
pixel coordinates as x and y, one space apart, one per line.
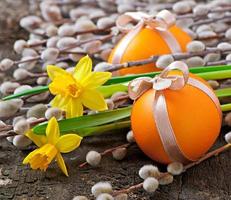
210 180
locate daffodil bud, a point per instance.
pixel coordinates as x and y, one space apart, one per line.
20 74
149 171
175 168
110 104
21 127
214 84
29 65
105 22
93 158
195 47
50 12
6 64
119 154
122 8
37 111
29 52
130 138
228 137
42 81
228 34
102 67
212 57
101 187
8 87
166 179
150 184
66 42
200 10
22 88
21 141
105 196
51 30
52 42
203 28
181 7
224 46
122 196
66 30
80 198
19 46
164 61
195 61
50 54
92 47
53 112
228 119
84 25
30 22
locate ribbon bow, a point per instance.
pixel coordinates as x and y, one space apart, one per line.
162 21
164 81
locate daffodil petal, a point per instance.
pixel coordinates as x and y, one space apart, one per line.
52 131
74 108
60 101
83 68
94 100
29 156
54 71
96 79
67 143
39 140
61 164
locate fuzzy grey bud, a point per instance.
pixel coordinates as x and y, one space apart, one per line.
195 46
101 187
228 34
150 184
206 34
21 127
92 47
20 74
52 42
42 81
214 84
130 138
212 57
122 8
53 112
93 158
28 64
203 28
105 22
102 67
105 196
149 171
166 179
164 61
80 198
6 64
30 22
37 111
8 87
19 45
29 52
50 12
51 30
119 154
21 141
195 61
181 7
84 25
228 137
224 46
200 10
66 30
66 42
228 119
122 196
50 54
175 168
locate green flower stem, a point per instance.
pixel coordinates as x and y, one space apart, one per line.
215 75
109 90
224 92
226 107
98 130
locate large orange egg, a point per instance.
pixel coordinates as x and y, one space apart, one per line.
194 117
146 43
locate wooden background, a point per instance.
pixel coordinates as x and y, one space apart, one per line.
210 180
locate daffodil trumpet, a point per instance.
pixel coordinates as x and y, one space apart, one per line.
50 147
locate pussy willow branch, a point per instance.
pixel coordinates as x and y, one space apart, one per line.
205 157
176 56
107 151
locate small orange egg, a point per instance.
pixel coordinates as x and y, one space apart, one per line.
146 43
194 118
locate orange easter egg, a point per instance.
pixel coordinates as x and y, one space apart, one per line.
147 42
194 117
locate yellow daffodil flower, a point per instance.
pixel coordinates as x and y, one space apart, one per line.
51 146
73 91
